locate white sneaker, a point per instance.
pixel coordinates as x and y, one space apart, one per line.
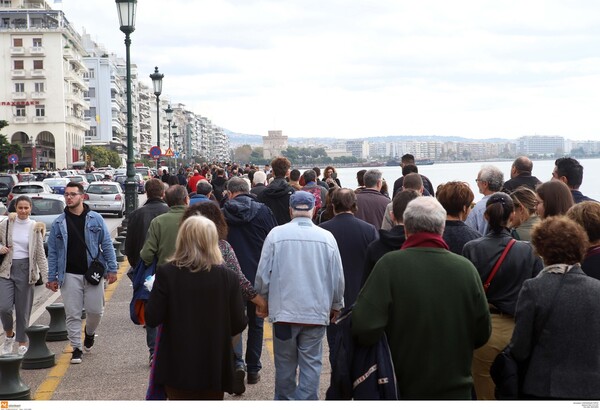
7 347
22 350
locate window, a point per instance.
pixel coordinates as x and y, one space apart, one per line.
17 42
92 93
37 42
92 73
91 132
40 110
38 64
39 87
19 87
93 112
18 64
20 111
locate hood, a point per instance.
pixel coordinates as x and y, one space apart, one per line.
394 238
241 209
278 188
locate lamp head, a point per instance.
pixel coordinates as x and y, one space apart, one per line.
127 12
157 81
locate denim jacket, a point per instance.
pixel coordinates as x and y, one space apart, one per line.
300 273
95 229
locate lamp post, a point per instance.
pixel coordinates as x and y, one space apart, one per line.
126 10
175 135
157 84
169 112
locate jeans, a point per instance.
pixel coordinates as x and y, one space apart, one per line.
297 348
253 344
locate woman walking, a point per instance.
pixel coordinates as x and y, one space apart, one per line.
22 244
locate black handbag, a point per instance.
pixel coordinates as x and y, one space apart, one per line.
5 242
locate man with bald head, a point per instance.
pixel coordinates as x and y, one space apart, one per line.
520 175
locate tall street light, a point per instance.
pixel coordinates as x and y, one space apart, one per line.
126 10
169 112
157 84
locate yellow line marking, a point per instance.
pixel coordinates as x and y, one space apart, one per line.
268 337
46 390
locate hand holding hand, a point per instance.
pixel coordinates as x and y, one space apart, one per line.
53 286
333 314
112 278
262 311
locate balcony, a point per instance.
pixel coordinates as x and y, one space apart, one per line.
39 120
38 96
18 73
19 96
17 51
37 51
19 120
68 53
38 73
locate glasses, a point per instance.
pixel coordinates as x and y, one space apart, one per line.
71 194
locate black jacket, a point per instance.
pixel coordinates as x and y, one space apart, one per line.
137 228
388 241
457 233
277 197
426 184
524 179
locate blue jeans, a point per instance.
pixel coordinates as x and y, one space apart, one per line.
297 348
253 344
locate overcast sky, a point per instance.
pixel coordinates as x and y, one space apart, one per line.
351 69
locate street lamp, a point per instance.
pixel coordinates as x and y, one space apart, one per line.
157 84
169 112
126 10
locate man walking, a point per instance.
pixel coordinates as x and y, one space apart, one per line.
431 304
137 230
300 274
78 236
249 223
277 194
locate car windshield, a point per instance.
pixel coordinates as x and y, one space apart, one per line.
76 178
103 189
26 189
42 206
55 182
6 180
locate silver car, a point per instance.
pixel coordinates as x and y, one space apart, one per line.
105 196
28 188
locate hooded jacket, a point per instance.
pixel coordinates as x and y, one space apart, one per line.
249 223
388 241
277 197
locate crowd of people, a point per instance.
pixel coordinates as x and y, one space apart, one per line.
448 283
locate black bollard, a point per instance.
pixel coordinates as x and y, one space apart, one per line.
118 254
11 385
58 323
121 239
38 355
120 229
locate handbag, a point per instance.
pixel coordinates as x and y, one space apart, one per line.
507 372
95 272
5 242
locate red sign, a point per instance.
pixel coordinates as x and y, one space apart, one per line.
19 103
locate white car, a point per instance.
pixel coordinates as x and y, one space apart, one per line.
105 196
28 188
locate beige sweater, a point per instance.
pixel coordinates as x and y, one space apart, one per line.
38 264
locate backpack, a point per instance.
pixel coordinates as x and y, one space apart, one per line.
316 191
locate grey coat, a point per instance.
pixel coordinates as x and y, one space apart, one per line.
565 359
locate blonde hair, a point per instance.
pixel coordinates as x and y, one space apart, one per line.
197 246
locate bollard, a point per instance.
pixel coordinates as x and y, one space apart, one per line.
121 239
58 323
120 229
118 254
11 385
38 355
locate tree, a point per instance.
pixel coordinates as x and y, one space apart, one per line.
6 148
242 154
102 156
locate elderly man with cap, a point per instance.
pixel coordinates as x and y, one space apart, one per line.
300 274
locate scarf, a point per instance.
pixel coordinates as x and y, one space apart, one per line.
425 240
559 268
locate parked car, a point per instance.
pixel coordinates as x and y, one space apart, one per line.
138 179
92 177
57 184
26 177
32 187
46 208
81 179
105 196
66 172
7 182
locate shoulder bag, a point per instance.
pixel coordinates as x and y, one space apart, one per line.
5 242
95 271
486 285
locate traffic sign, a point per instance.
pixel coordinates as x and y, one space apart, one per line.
13 159
155 152
176 154
169 153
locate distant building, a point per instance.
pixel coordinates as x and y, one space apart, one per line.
540 145
274 144
358 148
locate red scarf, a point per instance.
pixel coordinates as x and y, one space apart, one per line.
425 240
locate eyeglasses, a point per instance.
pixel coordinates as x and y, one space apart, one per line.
71 194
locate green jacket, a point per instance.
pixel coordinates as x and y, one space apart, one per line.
431 304
162 235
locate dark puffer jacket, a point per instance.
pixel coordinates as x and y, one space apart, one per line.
277 197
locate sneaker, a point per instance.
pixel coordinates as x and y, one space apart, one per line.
7 347
253 378
76 356
238 381
88 341
22 350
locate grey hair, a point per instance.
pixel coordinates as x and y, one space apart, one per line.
371 178
493 176
237 184
297 213
424 214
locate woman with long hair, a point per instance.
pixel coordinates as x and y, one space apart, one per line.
553 198
525 216
557 325
199 304
519 264
22 244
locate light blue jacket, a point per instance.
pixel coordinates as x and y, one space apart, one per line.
95 228
300 273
